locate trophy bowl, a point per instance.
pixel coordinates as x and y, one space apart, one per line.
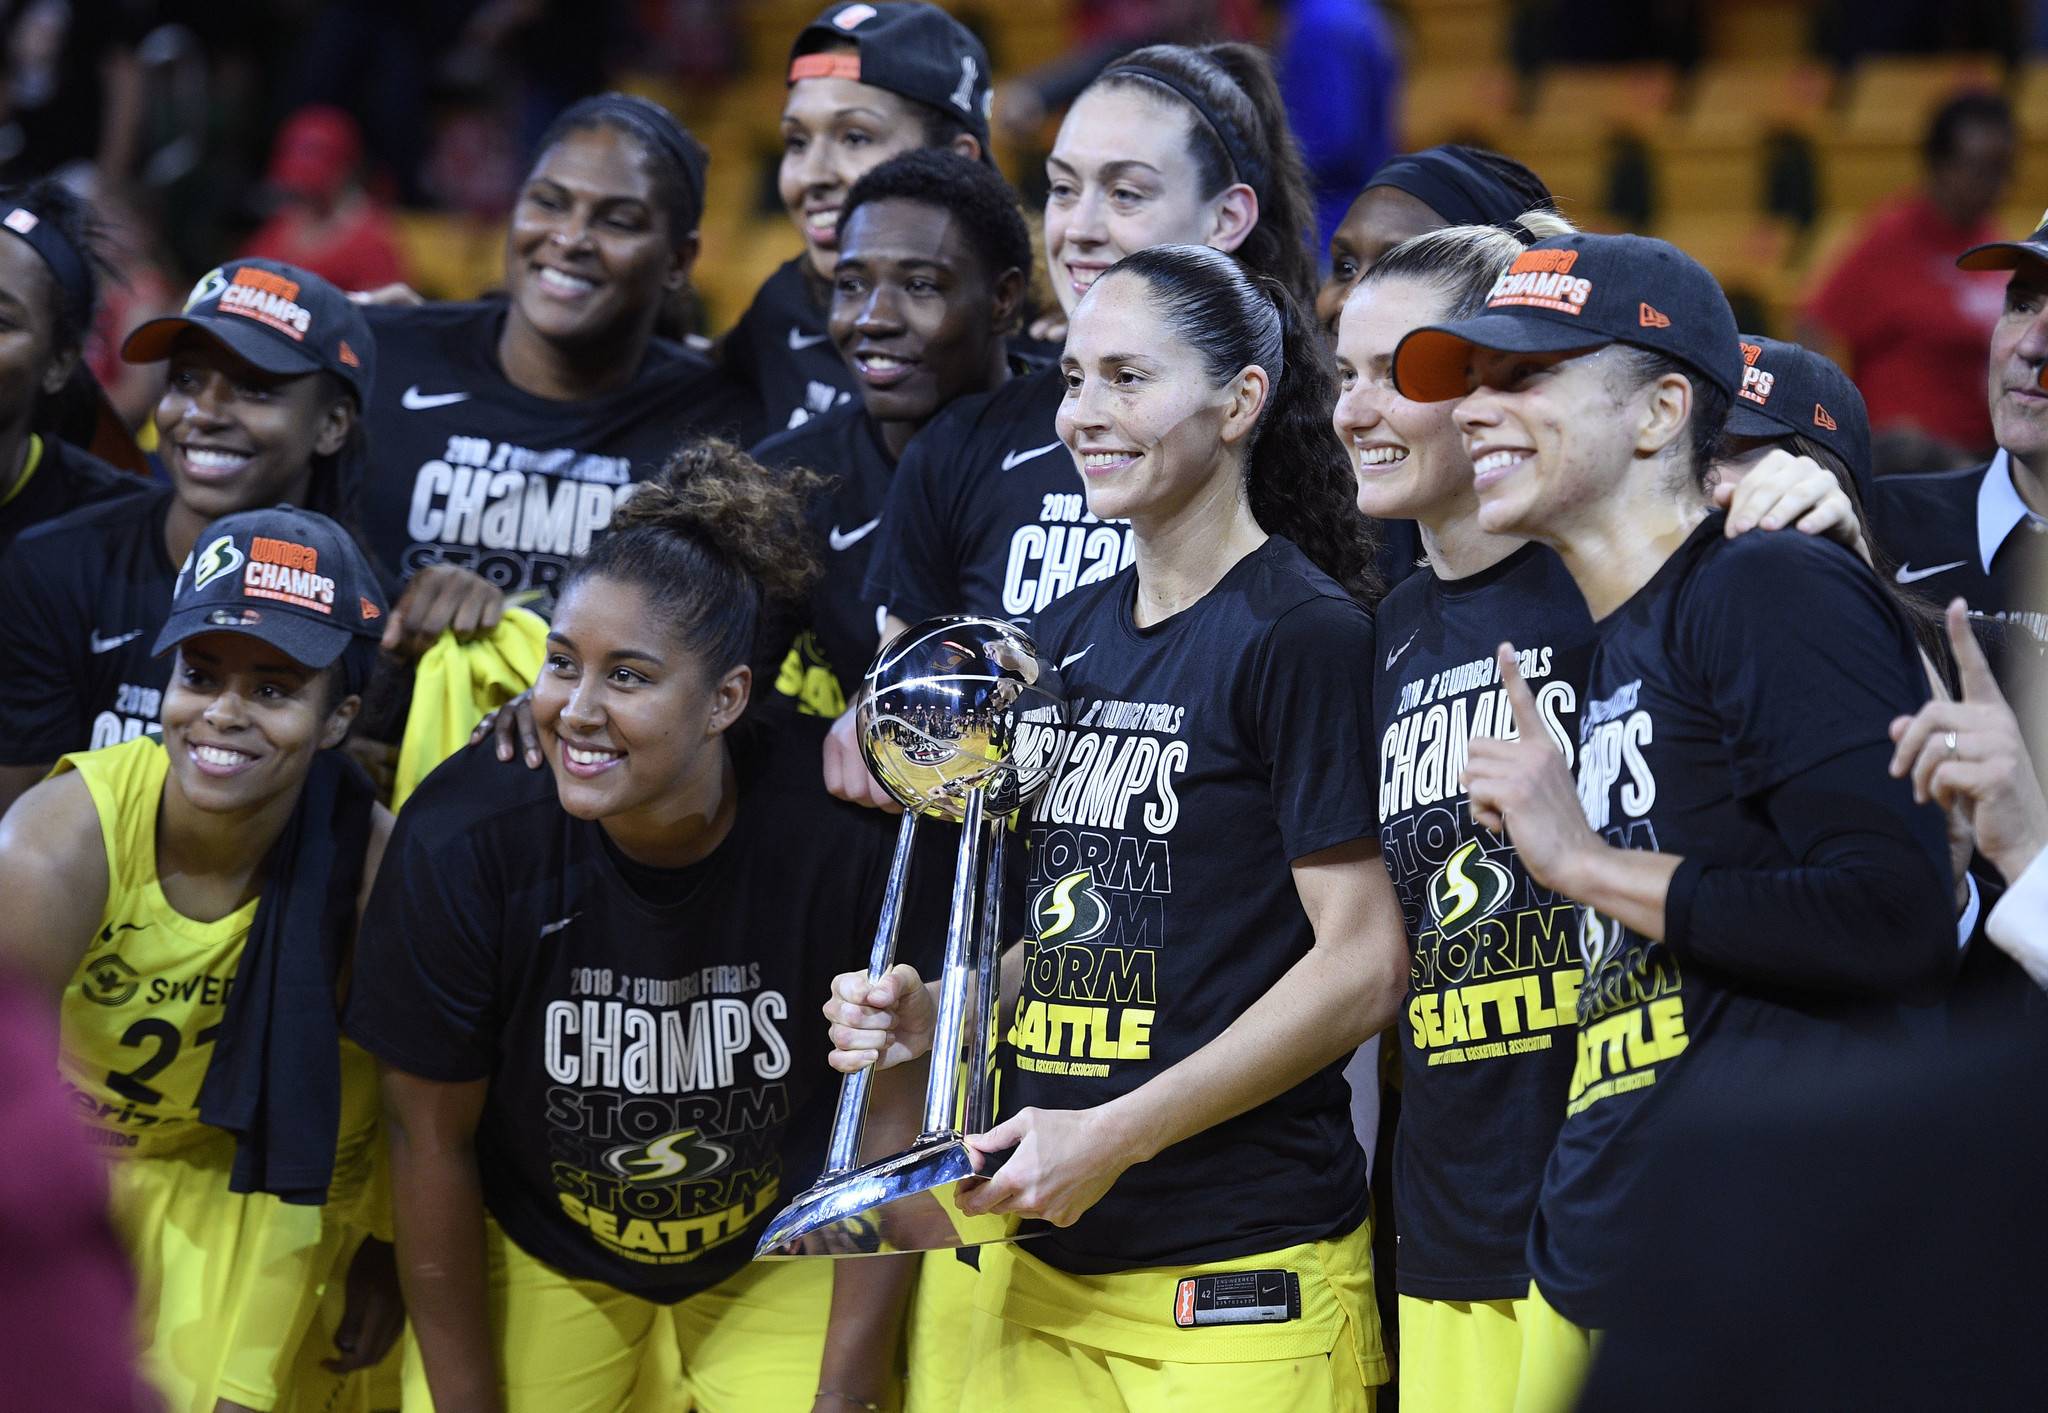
957 703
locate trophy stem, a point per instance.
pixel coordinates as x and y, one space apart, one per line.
981 1106
942 1093
850 1119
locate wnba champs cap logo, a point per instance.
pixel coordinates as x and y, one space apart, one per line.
1577 293
291 578
280 318
1788 390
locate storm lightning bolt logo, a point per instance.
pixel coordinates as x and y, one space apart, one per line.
220 557
668 1158
1466 889
1069 911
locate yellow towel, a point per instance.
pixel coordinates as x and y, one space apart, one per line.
456 683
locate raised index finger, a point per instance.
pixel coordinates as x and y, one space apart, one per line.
1523 702
1971 664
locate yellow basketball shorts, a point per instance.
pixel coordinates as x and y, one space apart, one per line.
936 1332
1460 1356
751 1344
226 1283
1556 1357
1136 1341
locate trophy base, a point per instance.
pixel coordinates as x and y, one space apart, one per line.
900 1203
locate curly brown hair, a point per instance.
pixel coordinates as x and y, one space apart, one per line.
707 541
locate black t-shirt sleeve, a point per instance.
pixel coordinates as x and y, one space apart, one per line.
39 687
425 993
915 568
1312 708
1867 910
1805 656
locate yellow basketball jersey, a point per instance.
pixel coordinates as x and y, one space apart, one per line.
141 1012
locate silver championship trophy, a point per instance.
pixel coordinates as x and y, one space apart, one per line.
961 720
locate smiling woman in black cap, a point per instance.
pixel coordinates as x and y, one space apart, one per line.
1754 879
866 83
270 366
194 897
508 431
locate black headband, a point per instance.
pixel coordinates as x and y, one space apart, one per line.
72 274
1462 191
1237 144
645 118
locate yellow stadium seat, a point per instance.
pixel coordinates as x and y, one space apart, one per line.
1756 29
452 256
1457 32
1754 96
1454 104
1752 257
1596 99
1893 96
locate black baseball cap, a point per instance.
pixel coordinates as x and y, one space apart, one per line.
1583 291
912 49
279 317
2007 254
1787 388
291 578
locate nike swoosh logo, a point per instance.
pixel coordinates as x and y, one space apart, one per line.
107 645
852 537
559 924
1395 655
799 340
1018 458
1907 574
413 400
1068 662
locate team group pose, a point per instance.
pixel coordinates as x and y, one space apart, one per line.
1486 672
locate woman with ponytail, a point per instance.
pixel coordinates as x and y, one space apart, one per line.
1212 932
1171 145
581 984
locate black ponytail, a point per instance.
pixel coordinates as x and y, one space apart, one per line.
708 541
1238 132
1298 478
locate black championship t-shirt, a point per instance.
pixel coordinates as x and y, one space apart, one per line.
1488 1033
658 1078
65 477
782 350
1208 753
842 629
1740 664
469 470
987 514
82 598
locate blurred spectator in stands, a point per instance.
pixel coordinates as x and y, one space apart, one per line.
552 51
1911 327
1340 74
142 289
377 58
71 89
326 221
1103 32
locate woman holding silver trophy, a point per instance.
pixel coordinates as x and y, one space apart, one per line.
1210 930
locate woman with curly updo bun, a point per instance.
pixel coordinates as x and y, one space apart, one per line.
580 985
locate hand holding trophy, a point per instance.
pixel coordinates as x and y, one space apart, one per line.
961 720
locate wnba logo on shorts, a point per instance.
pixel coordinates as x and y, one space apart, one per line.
1184 1304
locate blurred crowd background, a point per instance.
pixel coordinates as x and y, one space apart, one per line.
381 140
